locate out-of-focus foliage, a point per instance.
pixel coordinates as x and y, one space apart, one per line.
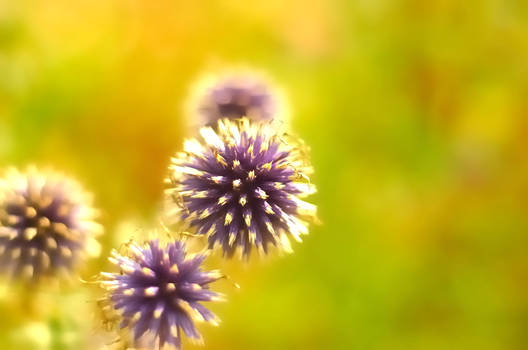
417 115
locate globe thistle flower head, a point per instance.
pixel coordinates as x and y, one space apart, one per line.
242 187
46 225
159 291
235 95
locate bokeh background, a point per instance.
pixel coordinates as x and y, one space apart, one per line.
417 115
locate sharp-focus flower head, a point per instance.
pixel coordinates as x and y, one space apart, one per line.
46 224
158 292
242 186
235 95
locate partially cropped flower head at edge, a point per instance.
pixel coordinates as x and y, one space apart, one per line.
158 292
242 187
234 95
47 225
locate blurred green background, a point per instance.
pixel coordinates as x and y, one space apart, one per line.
417 115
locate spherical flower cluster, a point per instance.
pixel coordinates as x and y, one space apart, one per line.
235 96
159 291
242 187
46 224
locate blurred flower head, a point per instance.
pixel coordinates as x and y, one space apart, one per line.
242 187
235 95
158 292
46 224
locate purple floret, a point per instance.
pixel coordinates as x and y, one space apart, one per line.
235 97
241 187
159 292
46 224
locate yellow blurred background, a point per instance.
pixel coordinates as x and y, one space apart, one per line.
417 116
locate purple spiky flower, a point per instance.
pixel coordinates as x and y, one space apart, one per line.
159 291
234 96
241 187
46 224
